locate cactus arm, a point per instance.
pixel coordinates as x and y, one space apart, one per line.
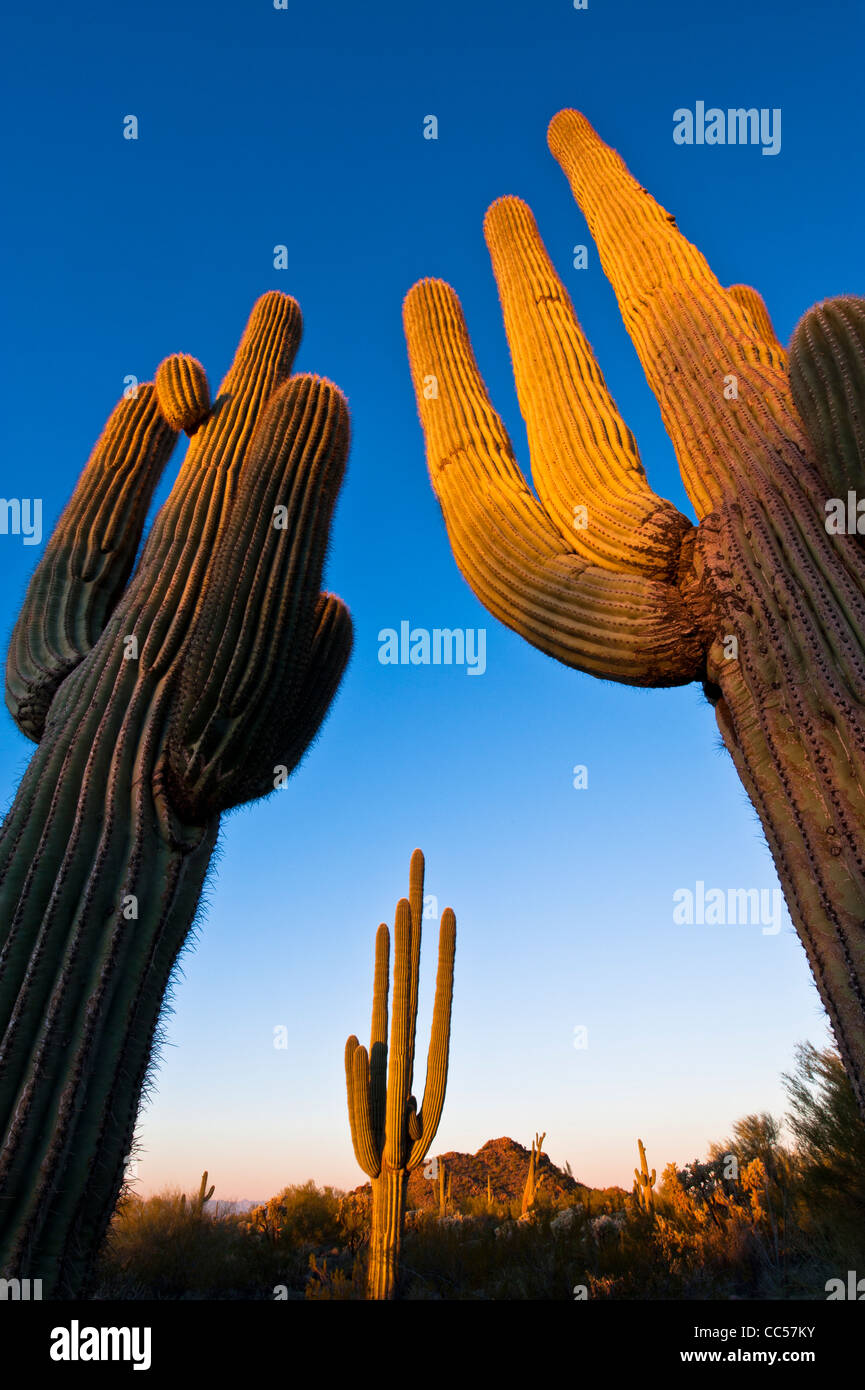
440 1032
398 1078
581 449
367 1153
752 302
87 559
241 681
183 392
378 1036
415 898
827 377
294 729
689 333
624 627
351 1047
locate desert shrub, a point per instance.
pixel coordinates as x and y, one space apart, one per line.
299 1215
162 1248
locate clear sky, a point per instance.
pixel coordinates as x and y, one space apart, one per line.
304 127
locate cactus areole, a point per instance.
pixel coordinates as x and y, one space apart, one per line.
762 601
157 703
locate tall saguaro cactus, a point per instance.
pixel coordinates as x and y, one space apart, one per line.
156 706
759 601
390 1135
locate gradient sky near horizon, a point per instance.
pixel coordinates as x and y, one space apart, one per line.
304 127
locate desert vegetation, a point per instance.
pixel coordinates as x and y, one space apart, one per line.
762 1215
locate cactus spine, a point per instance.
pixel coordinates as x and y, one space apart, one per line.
391 1137
644 1184
156 705
758 602
533 1178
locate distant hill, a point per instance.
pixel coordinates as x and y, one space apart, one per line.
503 1161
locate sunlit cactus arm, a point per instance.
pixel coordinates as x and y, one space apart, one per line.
357 1080
104 852
754 306
688 331
439 1048
628 623
760 602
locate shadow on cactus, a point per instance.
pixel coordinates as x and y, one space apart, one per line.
158 702
759 602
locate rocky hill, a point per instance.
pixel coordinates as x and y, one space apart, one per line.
503 1161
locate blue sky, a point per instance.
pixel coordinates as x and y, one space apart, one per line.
260 127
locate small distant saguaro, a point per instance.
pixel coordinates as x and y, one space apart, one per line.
391 1137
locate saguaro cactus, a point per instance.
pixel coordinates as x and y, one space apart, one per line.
759 602
644 1182
205 1193
444 1188
390 1135
156 707
533 1179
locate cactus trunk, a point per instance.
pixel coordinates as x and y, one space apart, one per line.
79 1035
804 768
388 1217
